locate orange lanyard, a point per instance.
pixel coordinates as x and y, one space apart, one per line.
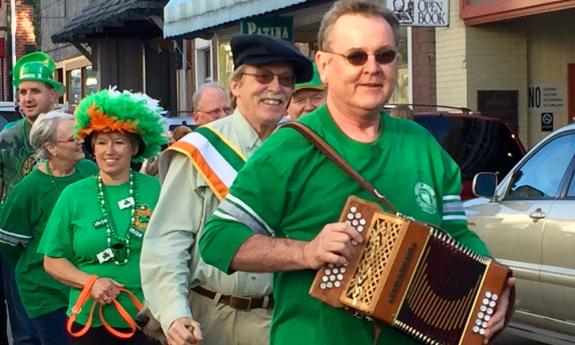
85 295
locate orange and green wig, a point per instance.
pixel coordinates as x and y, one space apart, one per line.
110 110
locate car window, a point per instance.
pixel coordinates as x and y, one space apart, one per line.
475 144
541 175
571 190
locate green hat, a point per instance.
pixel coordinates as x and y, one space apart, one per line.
37 66
315 82
110 110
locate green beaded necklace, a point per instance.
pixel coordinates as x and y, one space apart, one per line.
120 247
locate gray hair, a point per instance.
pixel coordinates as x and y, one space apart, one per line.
360 7
198 94
235 76
45 130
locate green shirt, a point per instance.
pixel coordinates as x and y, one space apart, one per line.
17 157
75 232
22 223
290 189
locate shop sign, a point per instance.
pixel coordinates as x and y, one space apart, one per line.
420 12
546 100
279 27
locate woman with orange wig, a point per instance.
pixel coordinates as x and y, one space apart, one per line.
93 238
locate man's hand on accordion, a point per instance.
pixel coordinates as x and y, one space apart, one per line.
334 244
498 320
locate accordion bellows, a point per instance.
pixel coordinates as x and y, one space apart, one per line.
414 277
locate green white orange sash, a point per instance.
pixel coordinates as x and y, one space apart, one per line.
217 159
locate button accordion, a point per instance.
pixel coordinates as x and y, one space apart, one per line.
414 277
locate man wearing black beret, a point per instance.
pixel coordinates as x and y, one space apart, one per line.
196 173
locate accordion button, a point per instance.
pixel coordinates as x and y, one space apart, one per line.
478 322
494 297
489 311
492 304
324 278
485 301
354 222
480 315
337 284
483 308
487 318
322 286
353 209
332 278
359 228
488 294
340 277
342 269
329 285
358 215
481 331
327 271
353 242
475 329
350 216
335 270
484 325
362 221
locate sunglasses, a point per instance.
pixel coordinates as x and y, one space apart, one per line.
265 77
359 57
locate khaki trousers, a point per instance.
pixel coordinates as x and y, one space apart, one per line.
224 325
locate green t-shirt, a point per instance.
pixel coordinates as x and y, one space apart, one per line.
289 189
24 216
17 157
75 232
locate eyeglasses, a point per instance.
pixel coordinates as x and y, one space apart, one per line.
70 140
216 112
359 57
265 77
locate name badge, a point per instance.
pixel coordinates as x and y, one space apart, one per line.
100 223
136 233
126 203
105 255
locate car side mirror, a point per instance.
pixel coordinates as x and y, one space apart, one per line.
484 184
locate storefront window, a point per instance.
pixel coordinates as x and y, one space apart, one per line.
226 63
74 86
90 81
80 83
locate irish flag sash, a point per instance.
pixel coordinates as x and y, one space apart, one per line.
217 159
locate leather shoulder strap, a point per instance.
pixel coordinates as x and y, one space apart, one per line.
338 160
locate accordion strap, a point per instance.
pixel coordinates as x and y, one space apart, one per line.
336 158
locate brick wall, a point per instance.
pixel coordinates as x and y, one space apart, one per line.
25 40
424 75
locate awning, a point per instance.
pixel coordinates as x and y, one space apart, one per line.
190 17
99 15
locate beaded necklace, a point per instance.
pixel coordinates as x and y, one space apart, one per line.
120 247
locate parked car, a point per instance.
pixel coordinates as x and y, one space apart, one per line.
476 142
7 113
528 223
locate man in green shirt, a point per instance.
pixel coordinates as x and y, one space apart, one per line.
196 173
38 92
282 209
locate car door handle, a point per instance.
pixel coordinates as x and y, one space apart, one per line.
537 214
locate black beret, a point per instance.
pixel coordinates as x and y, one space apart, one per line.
258 50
